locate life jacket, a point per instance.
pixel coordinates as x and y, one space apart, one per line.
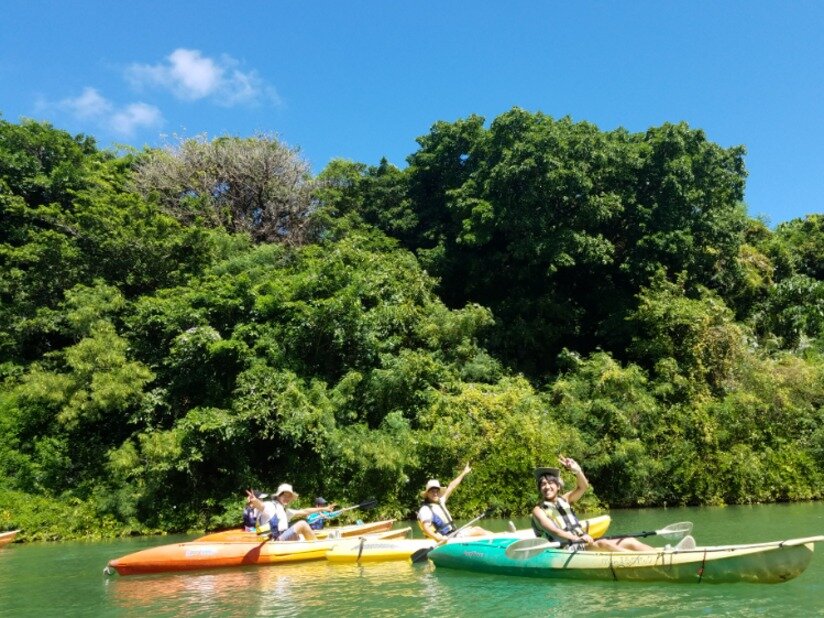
562 515
443 525
249 517
277 523
317 520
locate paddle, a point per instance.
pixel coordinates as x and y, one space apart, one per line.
366 504
423 554
527 548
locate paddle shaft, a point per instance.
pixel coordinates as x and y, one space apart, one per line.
363 505
422 554
466 525
368 504
679 530
528 547
633 534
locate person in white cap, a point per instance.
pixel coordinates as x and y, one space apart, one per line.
433 516
276 515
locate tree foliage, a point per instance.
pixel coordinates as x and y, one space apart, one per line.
521 289
541 220
67 219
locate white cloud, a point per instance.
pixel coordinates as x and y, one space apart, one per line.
90 104
191 76
195 75
121 120
135 115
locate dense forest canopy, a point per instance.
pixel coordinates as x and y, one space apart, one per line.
179 324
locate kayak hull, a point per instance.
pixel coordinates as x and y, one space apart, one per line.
7 537
192 556
238 535
195 555
379 550
773 562
596 527
372 550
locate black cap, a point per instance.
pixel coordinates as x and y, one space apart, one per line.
320 501
553 473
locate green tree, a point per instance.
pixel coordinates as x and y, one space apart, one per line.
556 226
804 241
67 218
696 338
66 418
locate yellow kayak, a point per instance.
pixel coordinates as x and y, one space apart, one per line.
202 555
382 550
238 535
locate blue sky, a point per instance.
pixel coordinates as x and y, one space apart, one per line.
362 79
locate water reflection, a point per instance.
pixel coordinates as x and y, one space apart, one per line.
236 592
280 590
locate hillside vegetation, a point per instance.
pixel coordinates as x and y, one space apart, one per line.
179 324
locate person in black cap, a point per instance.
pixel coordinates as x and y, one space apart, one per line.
317 520
554 519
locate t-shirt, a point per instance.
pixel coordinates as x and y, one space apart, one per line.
272 508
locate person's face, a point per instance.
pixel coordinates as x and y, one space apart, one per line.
433 493
286 497
549 488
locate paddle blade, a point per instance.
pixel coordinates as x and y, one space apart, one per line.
368 504
675 532
422 555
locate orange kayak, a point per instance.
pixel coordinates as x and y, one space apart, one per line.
7 537
237 535
195 555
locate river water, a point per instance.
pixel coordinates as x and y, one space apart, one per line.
66 579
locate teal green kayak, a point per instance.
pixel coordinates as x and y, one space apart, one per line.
772 562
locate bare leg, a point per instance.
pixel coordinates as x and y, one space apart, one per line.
301 527
476 531
633 544
626 544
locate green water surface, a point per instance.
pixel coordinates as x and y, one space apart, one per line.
66 579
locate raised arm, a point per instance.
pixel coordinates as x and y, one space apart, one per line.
581 484
455 482
309 510
254 501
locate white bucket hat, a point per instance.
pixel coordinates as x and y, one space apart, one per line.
432 483
283 487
